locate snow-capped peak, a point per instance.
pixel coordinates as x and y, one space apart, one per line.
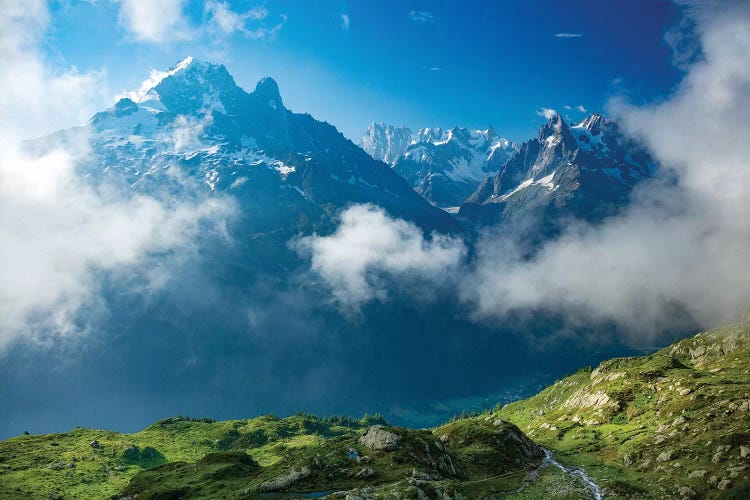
155 78
592 123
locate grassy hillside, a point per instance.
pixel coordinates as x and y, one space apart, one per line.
674 424
184 458
40 466
671 424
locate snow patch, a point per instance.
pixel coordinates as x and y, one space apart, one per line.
283 169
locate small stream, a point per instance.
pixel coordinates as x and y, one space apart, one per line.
549 459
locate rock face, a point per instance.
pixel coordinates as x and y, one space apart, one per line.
284 482
386 142
378 439
444 166
584 399
666 456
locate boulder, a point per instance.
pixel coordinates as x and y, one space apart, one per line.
724 484
736 471
666 456
687 492
284 482
378 439
94 444
744 451
365 473
697 474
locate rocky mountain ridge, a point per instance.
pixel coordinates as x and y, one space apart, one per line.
195 119
444 166
585 171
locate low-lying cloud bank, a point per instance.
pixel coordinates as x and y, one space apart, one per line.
369 245
61 232
678 247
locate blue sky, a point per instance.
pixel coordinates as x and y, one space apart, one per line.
414 63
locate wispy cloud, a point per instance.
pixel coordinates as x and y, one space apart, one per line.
267 33
344 22
154 22
436 68
581 108
165 21
568 35
547 113
421 16
222 18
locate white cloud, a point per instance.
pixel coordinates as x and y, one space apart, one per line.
420 16
222 19
264 32
60 231
186 132
344 21
367 245
580 108
155 22
547 113
568 35
46 98
165 21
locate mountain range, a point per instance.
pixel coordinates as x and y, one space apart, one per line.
250 146
444 166
586 171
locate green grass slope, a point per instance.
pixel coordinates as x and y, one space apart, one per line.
66 464
299 456
674 424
